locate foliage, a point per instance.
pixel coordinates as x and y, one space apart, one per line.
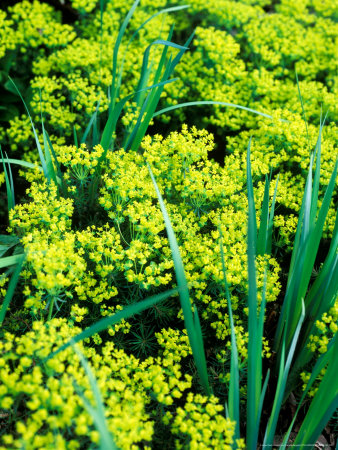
143 284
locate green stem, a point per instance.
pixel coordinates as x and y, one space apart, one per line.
51 306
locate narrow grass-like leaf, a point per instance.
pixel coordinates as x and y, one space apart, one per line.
210 102
303 110
42 158
263 392
306 243
234 388
262 234
259 347
9 261
316 233
12 284
310 250
22 163
59 178
7 242
165 43
324 299
327 272
98 414
190 325
281 384
315 190
90 124
9 183
158 13
28 165
323 405
163 11
307 206
316 179
48 157
129 141
270 224
315 298
320 364
255 342
139 99
114 86
109 321
113 117
155 95
76 142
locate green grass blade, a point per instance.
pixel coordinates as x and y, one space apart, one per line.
198 330
307 207
9 183
145 117
310 249
255 342
281 384
114 89
190 325
163 11
324 299
166 43
59 178
234 388
12 284
153 98
10 261
109 321
320 364
252 230
326 273
270 224
316 234
178 57
28 165
305 249
76 142
22 163
48 158
98 414
90 124
7 242
42 159
263 228
145 73
323 405
297 259
303 110
158 13
264 389
141 120
259 346
110 126
210 102
317 153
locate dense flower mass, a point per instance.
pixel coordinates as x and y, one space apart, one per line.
79 203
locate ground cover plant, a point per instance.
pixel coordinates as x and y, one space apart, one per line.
169 232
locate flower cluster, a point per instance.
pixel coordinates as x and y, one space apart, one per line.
50 393
326 328
201 424
96 243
